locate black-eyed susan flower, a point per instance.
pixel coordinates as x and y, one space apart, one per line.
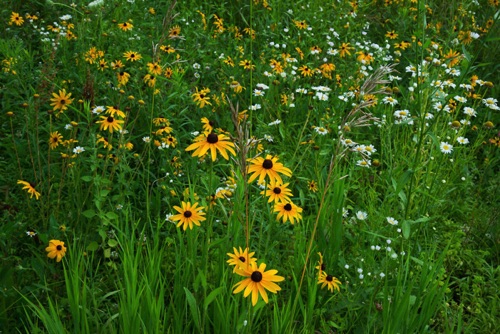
16 19
168 72
312 186
247 64
257 281
391 35
188 215
345 50
277 192
114 111
55 139
328 281
305 71
132 56
56 250
201 97
288 211
29 188
174 32
61 101
154 68
208 125
241 258
117 64
269 166
110 123
122 77
125 26
213 142
150 79
170 141
300 24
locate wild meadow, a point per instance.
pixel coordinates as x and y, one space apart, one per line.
249 166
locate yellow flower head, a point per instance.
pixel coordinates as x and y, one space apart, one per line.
329 281
188 215
29 188
213 142
257 281
56 250
241 259
61 101
288 211
269 166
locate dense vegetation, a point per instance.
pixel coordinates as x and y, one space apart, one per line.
249 166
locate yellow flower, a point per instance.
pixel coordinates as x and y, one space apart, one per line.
125 26
188 215
328 280
257 281
247 64
16 19
241 259
212 142
154 68
61 101
269 166
201 98
288 211
29 188
391 35
56 250
208 125
110 123
55 139
277 192
300 24
122 77
132 56
174 32
344 49
305 71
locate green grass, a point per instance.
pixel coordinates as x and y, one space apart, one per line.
382 114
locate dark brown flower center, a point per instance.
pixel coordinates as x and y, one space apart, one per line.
242 258
132 55
256 276
110 119
62 101
59 247
277 190
288 207
202 96
212 138
267 164
188 214
329 278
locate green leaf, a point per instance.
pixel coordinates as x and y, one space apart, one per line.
89 213
210 298
193 307
93 246
104 193
111 215
87 178
107 253
112 243
406 229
